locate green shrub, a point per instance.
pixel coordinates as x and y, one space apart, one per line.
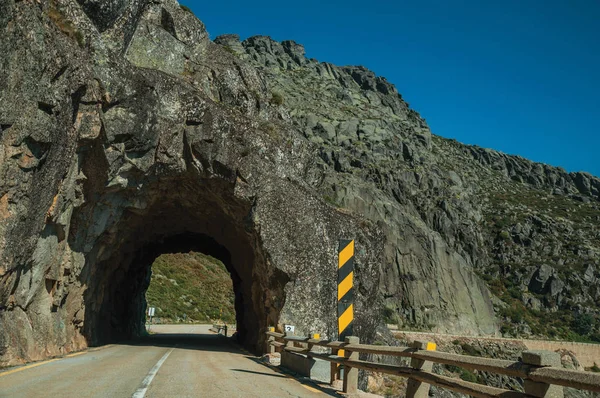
452 368
595 337
595 368
467 375
515 292
389 315
505 235
583 324
276 98
515 313
271 129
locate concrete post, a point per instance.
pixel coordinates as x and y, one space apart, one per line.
350 373
289 343
542 359
415 388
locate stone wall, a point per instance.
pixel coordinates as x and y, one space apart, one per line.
587 354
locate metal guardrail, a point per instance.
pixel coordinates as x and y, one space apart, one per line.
541 371
219 329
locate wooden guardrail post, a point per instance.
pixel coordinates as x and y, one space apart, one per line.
335 368
415 388
542 359
350 373
309 346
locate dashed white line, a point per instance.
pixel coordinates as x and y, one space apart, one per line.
141 392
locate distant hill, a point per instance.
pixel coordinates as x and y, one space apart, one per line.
191 287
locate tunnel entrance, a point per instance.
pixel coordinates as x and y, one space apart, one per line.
179 214
187 260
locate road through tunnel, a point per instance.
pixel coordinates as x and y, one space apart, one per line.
178 215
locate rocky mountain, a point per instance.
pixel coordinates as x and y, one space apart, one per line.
126 133
477 241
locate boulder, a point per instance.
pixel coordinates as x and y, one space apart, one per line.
539 280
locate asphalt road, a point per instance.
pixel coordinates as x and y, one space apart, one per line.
177 361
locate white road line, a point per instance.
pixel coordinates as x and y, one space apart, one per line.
141 392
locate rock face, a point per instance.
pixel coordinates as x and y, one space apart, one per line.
125 132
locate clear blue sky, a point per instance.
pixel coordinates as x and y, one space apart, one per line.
522 77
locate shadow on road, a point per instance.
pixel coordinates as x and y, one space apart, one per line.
258 373
188 341
219 343
327 390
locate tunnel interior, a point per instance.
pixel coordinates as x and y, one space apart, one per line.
186 282
123 231
135 308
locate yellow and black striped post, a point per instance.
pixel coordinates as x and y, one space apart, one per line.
345 290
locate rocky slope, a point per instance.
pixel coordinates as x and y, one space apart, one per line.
476 241
126 132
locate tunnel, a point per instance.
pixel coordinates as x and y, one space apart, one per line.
169 215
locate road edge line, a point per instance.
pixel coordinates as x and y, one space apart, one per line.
12 370
33 365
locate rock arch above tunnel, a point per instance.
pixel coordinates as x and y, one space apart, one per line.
179 214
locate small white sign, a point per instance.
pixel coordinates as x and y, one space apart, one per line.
151 311
289 328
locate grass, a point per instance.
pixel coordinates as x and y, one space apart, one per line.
229 50
191 286
271 129
330 200
553 205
